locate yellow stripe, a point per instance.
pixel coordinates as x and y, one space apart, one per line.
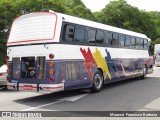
101 62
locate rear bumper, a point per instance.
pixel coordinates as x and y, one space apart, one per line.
36 87
3 82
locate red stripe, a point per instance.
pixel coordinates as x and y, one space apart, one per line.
45 87
53 87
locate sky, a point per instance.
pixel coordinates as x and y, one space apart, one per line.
147 5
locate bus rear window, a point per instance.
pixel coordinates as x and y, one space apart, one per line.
28 67
33 27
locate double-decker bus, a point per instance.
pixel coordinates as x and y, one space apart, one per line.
49 51
157 54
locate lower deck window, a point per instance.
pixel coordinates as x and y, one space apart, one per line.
71 71
28 67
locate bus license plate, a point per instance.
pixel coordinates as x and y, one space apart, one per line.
27 87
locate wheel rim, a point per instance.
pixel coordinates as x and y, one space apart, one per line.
98 81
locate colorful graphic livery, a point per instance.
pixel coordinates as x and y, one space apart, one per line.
48 51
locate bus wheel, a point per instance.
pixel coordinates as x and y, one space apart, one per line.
145 69
97 81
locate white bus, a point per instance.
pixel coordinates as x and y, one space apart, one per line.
157 54
49 51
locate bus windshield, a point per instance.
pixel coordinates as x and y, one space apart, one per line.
33 27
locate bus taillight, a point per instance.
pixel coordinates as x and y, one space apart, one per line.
51 71
7 58
51 64
8 78
51 79
51 56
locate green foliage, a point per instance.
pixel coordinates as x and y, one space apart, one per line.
157 41
120 14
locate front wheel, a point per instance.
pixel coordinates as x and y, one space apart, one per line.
145 69
97 81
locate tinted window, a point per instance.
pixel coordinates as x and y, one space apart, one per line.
115 40
145 43
91 35
127 42
69 33
79 34
122 40
109 35
137 42
99 36
141 43
28 67
133 42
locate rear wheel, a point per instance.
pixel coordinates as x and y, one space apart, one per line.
145 69
97 81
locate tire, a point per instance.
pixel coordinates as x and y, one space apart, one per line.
97 82
145 70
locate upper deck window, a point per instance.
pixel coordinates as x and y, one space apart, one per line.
109 36
122 40
79 34
69 33
33 27
99 36
115 40
145 43
91 35
128 41
133 42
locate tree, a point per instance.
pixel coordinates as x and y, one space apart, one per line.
120 14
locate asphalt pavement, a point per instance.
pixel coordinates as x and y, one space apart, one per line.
129 95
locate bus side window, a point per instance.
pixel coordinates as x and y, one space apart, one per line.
99 36
109 36
122 40
91 35
115 40
69 33
145 44
141 43
128 41
137 42
133 42
79 34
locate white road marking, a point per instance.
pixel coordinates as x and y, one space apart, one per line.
32 108
71 99
74 98
2 88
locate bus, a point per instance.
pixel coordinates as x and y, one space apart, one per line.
50 51
157 54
